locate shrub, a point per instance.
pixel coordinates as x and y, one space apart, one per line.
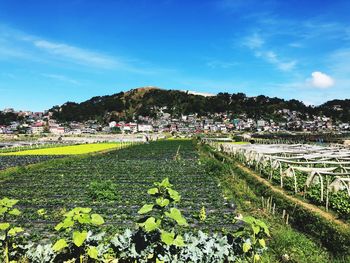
103 190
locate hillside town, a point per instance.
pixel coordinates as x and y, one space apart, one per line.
29 122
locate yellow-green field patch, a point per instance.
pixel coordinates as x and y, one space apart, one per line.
70 150
240 142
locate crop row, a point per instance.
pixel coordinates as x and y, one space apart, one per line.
12 161
130 172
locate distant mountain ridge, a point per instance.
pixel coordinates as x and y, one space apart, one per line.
150 101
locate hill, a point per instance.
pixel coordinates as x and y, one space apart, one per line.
149 101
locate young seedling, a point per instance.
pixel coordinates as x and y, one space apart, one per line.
42 213
202 214
253 233
8 231
162 215
76 224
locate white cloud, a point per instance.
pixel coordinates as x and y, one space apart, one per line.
257 44
16 44
321 80
77 55
272 58
253 42
287 66
61 78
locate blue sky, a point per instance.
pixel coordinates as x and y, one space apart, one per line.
57 51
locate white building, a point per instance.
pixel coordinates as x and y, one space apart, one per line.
37 129
57 130
145 128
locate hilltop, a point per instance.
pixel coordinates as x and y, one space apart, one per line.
150 101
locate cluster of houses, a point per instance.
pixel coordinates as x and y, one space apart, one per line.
42 122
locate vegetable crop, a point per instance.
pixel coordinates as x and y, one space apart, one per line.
76 182
70 150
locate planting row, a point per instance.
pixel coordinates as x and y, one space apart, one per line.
157 236
70 149
12 161
114 183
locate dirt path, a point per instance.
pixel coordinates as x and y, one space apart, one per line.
306 205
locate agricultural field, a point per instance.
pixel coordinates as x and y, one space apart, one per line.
8 147
118 188
239 143
13 161
69 150
318 174
115 184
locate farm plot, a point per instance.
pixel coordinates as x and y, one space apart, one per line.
12 161
69 150
115 185
320 174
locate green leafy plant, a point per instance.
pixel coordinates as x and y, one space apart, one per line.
42 213
162 215
75 227
202 214
103 190
157 239
253 234
8 231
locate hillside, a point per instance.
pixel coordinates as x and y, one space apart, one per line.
150 100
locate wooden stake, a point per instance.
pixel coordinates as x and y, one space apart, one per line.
327 193
270 205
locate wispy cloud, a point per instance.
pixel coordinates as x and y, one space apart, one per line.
78 55
272 58
61 78
305 32
317 28
257 44
214 63
254 41
10 51
17 44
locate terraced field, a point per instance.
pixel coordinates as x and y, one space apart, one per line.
128 173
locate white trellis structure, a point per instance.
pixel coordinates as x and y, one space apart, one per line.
328 167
